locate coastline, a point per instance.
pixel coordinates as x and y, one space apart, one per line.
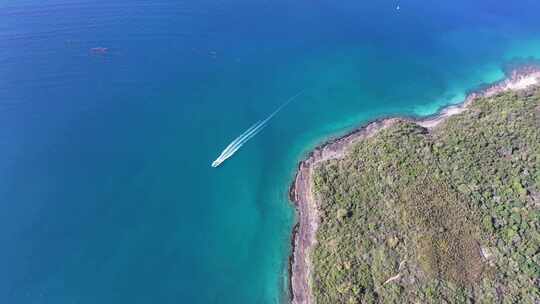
304 231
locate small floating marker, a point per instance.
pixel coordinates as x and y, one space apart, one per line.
397 7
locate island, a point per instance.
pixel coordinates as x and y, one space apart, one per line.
442 209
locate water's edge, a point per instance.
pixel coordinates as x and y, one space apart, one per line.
304 230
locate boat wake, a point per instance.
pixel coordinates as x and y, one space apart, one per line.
257 127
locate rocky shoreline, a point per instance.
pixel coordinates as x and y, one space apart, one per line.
303 235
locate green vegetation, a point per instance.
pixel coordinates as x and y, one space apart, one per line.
448 216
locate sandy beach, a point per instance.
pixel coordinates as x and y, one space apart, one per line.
304 232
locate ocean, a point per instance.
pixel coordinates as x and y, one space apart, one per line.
111 113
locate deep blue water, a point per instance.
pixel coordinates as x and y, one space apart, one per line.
106 189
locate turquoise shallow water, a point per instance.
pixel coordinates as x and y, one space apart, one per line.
106 189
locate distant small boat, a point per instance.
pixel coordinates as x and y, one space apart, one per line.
99 50
237 143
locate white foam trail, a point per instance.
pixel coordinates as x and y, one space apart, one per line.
224 154
241 137
235 148
238 142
